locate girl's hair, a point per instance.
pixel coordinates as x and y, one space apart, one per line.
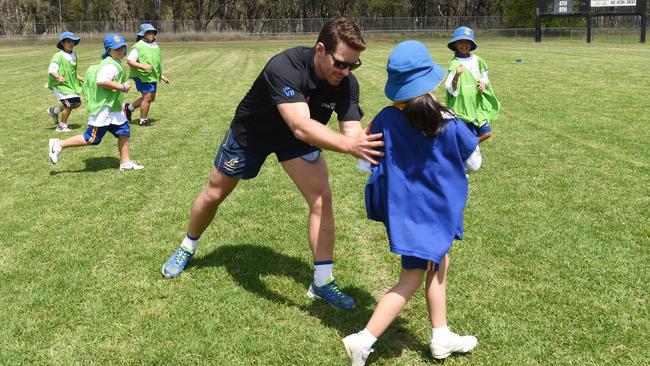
426 114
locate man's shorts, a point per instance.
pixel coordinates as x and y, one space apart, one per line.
145 87
94 135
71 102
478 131
238 162
409 262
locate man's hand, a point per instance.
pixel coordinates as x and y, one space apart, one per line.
364 146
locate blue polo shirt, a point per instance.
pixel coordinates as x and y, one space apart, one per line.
419 188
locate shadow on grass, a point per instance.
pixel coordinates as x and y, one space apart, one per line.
94 165
248 264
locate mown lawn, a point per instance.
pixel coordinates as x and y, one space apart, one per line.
553 268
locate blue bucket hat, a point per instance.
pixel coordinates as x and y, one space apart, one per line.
112 41
67 35
462 33
411 72
144 28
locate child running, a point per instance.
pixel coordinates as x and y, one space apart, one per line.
419 191
64 81
104 90
469 91
146 70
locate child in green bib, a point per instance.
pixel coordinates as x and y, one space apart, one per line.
104 91
469 91
64 81
145 70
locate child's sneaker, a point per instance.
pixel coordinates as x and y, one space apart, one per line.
55 150
144 122
442 347
62 127
331 293
53 116
131 165
127 112
356 353
176 263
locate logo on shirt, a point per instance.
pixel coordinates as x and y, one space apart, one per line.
230 164
287 91
329 106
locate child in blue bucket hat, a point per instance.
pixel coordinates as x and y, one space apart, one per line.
418 191
64 81
104 90
146 71
469 90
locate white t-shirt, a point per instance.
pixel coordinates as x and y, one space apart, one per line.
105 117
470 64
54 67
133 55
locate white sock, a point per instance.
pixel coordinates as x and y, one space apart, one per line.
367 339
130 107
323 274
56 110
190 244
440 332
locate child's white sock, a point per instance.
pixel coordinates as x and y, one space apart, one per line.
56 110
190 243
440 332
130 107
367 339
323 272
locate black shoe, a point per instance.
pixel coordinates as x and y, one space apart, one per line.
128 112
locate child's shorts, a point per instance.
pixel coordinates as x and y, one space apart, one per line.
71 102
238 162
144 87
478 131
409 262
94 135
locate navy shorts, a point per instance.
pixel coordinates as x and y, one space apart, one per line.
409 262
94 135
478 131
71 102
238 162
145 87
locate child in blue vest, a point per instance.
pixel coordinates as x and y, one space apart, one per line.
418 191
469 90
146 70
64 81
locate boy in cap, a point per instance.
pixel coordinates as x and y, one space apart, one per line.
469 91
145 70
64 81
104 90
427 151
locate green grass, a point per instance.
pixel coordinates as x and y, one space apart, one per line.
553 269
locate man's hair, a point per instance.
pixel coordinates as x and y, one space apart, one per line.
426 114
341 29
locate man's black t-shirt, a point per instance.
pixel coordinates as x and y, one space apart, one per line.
288 78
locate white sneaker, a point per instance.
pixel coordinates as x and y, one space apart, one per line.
356 353
62 127
55 150
442 347
131 165
53 116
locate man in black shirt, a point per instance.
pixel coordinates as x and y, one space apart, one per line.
285 113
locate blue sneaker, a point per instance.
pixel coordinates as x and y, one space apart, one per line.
176 263
331 293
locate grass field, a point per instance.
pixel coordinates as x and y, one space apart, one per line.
553 269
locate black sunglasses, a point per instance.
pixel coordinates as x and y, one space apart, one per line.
341 65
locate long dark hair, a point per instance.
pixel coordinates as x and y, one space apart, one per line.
426 114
